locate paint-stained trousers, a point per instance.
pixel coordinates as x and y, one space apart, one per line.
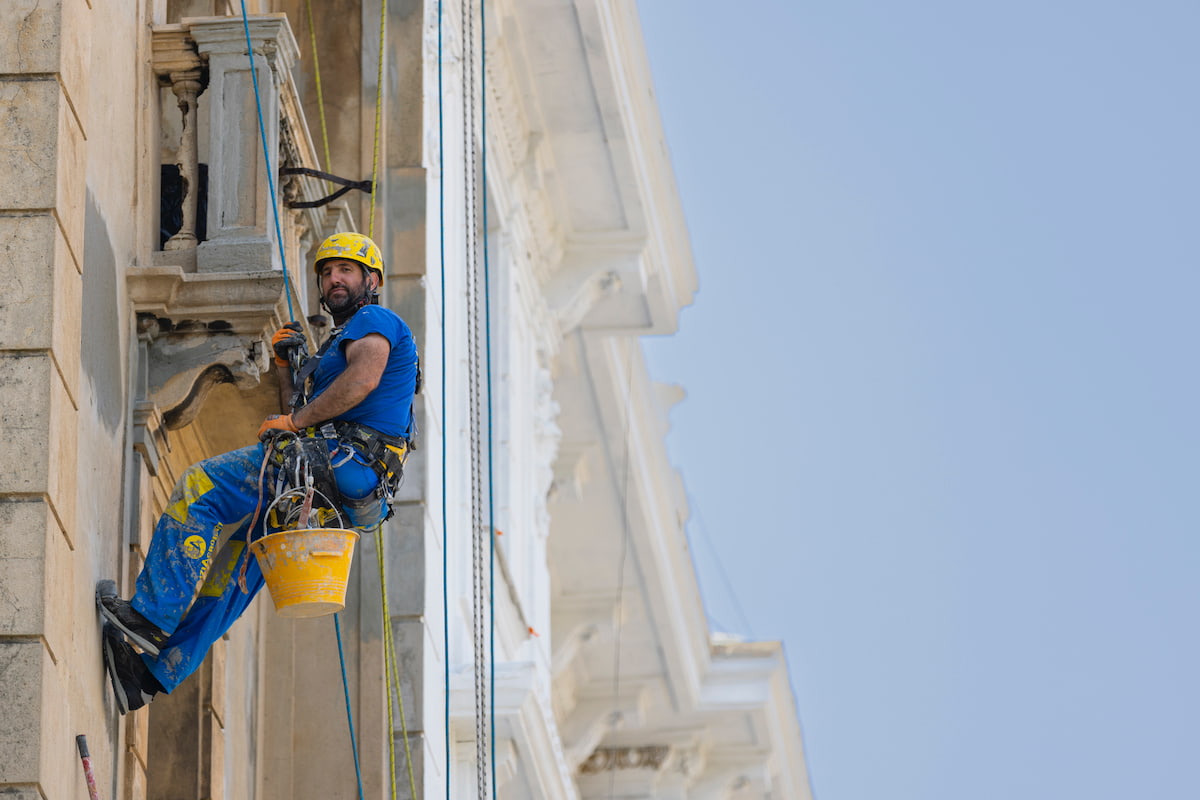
187 589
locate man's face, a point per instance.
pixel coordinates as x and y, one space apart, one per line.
344 283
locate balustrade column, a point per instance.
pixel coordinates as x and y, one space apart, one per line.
186 86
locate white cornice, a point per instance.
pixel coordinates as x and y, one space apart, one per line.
578 162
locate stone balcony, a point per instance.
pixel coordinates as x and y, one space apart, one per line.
207 299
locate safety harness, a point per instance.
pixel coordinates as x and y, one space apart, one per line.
322 447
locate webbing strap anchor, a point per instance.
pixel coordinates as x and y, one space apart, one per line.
346 184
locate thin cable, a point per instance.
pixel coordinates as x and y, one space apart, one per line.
262 131
387 674
337 626
445 510
487 333
703 526
481 537
312 35
378 115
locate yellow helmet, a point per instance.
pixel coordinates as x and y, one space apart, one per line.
351 246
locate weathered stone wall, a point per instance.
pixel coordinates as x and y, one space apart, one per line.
87 463
44 54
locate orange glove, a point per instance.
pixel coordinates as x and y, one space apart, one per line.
277 422
286 339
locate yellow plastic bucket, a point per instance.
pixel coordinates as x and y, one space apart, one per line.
306 569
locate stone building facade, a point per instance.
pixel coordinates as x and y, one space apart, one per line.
142 270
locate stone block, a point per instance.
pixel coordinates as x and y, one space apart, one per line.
217 658
406 191
42 154
407 296
404 87
60 592
316 700
34 726
33 256
29 151
215 768
415 487
416 746
408 636
38 422
58 737
405 547
135 775
46 37
174 742
75 55
70 191
21 683
137 739
36 574
30 31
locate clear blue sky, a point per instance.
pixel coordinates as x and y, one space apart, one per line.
945 340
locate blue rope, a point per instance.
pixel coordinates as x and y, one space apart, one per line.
445 514
262 131
337 626
287 287
487 338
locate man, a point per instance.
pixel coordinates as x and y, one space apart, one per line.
362 384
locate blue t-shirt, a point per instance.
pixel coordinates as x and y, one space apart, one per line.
387 409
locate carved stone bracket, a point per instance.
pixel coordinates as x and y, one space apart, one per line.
606 759
183 363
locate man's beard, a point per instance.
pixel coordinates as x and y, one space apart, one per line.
347 304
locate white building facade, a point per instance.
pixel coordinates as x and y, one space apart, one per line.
528 215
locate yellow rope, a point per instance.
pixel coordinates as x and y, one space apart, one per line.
395 680
391 668
392 677
378 116
387 646
312 34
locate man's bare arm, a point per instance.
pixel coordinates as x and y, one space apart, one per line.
365 362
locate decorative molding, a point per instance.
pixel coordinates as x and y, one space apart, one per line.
611 759
571 471
547 436
238 302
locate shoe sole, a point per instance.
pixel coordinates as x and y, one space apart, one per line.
110 667
108 588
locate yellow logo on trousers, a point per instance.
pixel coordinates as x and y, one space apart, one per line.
195 546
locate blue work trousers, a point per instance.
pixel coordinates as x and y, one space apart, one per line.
188 586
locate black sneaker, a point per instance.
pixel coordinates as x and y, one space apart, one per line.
129 676
141 631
